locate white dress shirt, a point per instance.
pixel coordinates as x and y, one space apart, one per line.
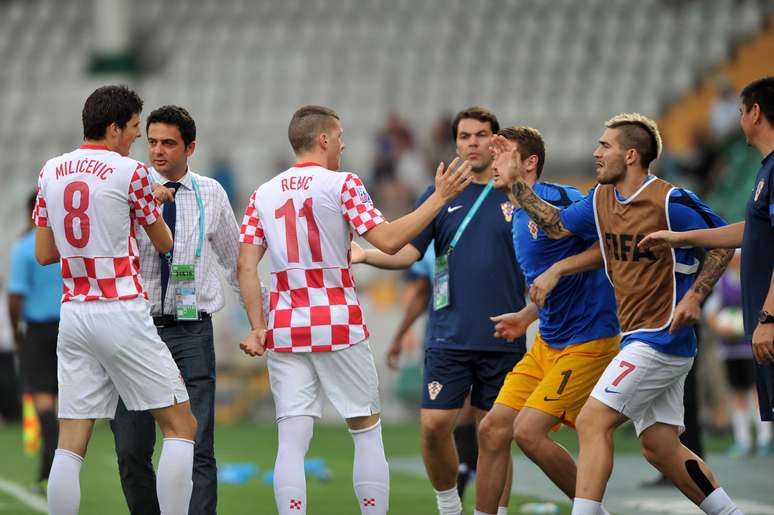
221 244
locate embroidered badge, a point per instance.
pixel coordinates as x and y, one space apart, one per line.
434 389
507 208
365 198
758 190
533 229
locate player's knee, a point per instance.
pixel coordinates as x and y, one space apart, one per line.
493 434
181 424
436 429
527 438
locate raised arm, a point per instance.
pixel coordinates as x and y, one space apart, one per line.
726 237
541 212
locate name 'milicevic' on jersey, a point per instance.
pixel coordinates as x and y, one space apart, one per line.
91 198
305 217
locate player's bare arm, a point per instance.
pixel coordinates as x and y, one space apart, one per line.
250 291
390 237
688 311
160 236
511 326
46 252
404 258
589 259
544 214
726 237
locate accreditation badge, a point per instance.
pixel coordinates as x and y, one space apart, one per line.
441 283
186 304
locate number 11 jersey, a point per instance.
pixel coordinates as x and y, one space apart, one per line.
91 199
305 218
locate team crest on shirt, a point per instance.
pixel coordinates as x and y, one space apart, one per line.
758 190
433 389
533 229
507 208
365 198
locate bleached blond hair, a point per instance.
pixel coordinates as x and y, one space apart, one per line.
638 132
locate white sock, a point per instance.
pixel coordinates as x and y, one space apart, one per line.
449 502
764 433
64 484
740 423
582 506
502 510
370 472
476 512
603 511
173 479
294 434
718 503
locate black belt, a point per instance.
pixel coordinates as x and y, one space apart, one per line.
169 320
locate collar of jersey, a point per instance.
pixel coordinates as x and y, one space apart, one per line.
307 165
93 147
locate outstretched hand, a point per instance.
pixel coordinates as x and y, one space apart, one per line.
357 254
510 325
505 158
661 239
451 181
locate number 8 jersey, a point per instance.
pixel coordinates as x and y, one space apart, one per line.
305 217
91 199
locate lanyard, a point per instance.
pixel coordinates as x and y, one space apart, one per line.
199 203
469 215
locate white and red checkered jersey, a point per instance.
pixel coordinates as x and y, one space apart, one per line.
91 199
305 217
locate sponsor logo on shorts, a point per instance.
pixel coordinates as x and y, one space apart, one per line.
549 399
758 190
608 390
433 389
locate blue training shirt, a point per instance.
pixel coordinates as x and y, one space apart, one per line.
484 278
582 306
425 267
41 286
758 246
686 213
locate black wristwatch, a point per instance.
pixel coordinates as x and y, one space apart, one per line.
764 317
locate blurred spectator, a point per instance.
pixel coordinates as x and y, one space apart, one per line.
724 114
394 140
440 147
223 171
10 405
724 316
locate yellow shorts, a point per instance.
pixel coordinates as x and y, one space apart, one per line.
557 381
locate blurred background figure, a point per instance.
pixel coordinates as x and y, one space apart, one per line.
723 311
34 295
10 398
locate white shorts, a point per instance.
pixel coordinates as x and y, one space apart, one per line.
645 385
106 349
347 377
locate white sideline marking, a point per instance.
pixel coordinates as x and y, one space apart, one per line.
28 498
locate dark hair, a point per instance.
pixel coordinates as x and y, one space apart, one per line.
637 132
177 116
481 114
33 198
529 141
107 105
760 92
307 123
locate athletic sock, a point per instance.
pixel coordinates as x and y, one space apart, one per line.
64 485
476 512
582 506
740 423
173 479
719 503
49 428
502 510
370 472
466 442
764 433
449 502
294 434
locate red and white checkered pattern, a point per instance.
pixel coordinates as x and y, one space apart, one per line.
106 266
313 306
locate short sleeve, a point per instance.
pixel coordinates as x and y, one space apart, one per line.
251 231
424 238
19 272
357 206
40 212
141 201
687 212
579 219
424 267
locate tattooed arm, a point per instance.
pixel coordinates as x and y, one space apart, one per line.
688 310
541 212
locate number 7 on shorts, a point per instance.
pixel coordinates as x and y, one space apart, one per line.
629 369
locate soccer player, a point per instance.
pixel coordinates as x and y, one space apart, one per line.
88 202
756 237
305 218
477 276
578 337
658 296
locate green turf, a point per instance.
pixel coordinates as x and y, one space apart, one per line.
101 490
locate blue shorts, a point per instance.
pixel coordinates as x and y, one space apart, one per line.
764 379
450 375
